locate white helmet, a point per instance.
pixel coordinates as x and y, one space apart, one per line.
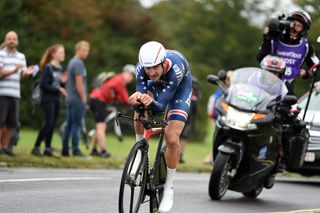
129 68
273 63
151 54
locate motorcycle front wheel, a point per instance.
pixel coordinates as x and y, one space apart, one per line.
220 176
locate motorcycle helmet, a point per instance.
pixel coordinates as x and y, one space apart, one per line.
303 17
151 54
273 63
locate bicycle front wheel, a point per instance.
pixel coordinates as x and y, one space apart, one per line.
133 180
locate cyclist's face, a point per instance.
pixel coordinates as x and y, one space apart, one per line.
154 72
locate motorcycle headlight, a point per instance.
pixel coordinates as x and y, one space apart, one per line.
239 120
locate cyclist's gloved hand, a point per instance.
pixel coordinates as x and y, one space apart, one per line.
139 108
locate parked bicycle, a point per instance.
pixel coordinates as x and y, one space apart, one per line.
143 183
111 122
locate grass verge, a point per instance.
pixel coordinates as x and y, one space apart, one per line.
194 154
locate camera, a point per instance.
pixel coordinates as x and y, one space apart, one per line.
278 26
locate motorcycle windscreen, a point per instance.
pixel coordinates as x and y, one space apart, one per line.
252 89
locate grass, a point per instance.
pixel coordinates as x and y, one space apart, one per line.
194 154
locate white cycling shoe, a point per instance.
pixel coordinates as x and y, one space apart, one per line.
167 201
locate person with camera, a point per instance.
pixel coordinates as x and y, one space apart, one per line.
286 38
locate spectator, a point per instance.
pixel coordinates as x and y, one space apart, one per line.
110 90
212 111
191 118
50 88
13 66
77 98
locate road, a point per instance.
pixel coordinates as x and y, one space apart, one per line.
76 191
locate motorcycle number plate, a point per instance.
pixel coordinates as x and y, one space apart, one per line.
310 157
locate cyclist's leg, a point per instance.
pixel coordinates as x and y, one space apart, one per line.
172 135
139 136
178 110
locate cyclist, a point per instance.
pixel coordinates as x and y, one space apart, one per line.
164 84
293 47
111 90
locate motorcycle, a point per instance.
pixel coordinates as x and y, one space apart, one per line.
247 132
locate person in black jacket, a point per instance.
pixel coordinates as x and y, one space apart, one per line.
50 87
286 37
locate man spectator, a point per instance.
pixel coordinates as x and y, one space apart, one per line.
110 90
76 99
13 66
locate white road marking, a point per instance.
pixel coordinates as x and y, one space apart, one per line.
54 179
300 211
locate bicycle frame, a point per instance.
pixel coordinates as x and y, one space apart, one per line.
156 175
152 170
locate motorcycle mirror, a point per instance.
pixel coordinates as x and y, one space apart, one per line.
222 74
290 100
213 79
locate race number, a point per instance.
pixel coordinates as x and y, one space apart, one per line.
288 71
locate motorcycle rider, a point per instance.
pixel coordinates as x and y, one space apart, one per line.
277 67
292 46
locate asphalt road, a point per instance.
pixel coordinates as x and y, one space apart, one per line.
77 191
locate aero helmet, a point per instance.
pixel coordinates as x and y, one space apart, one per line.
303 17
273 64
151 54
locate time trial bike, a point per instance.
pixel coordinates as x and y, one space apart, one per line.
141 182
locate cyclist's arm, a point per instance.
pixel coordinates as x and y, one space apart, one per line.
138 127
159 105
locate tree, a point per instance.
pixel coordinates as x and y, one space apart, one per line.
212 34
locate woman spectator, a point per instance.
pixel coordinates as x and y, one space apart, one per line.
50 87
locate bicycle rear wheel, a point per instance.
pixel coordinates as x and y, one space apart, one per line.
160 176
133 183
